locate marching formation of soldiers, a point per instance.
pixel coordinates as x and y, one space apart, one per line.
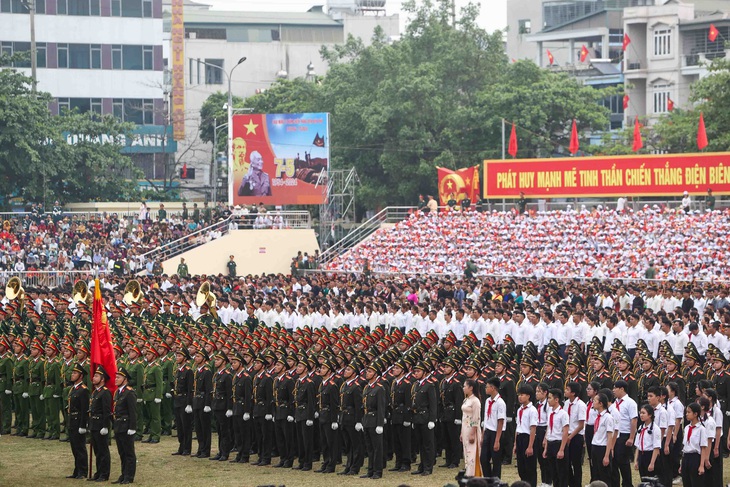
353 396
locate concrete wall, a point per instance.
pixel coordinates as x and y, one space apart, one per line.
255 252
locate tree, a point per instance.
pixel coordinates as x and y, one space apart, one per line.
36 159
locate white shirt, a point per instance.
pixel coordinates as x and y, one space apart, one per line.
605 426
627 411
499 411
675 411
695 438
648 437
542 413
577 414
559 419
526 418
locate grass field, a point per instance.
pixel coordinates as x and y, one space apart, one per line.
33 463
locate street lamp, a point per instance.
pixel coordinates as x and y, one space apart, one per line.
228 74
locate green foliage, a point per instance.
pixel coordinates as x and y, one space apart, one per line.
38 164
436 97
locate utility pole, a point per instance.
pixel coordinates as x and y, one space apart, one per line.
30 5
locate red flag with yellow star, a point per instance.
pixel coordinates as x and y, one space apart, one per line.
102 350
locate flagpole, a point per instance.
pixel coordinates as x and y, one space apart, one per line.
503 156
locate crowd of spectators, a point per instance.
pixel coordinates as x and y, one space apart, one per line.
594 242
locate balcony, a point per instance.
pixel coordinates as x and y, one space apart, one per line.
695 64
635 69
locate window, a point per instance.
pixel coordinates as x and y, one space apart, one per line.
64 104
147 63
116 56
96 56
201 33
661 95
96 105
79 56
9 48
525 26
662 42
213 75
116 8
40 54
191 65
78 7
14 7
147 8
62 55
118 108
132 8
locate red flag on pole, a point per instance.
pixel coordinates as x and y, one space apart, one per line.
626 102
627 41
712 35
638 143
512 149
583 53
102 351
184 172
551 58
574 144
670 104
701 134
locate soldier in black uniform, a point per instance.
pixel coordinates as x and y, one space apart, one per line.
694 373
283 388
624 364
424 406
125 426
451 395
508 392
78 416
183 402
100 415
242 408
721 384
373 420
328 401
222 406
671 364
351 417
304 409
648 378
600 374
400 416
202 396
263 409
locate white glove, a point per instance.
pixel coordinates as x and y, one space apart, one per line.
316 415
335 426
358 427
268 417
55 396
206 409
378 430
482 424
309 422
139 400
189 409
8 392
168 395
385 420
431 425
406 424
273 420
290 419
41 397
158 400
103 431
82 431
727 413
25 395
229 413
246 416
131 432
457 422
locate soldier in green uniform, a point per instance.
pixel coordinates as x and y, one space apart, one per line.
153 387
36 371
6 386
52 391
20 389
135 367
167 363
67 365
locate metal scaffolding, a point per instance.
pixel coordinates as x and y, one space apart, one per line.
338 211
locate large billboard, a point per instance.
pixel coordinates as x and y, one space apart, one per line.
178 70
643 175
280 159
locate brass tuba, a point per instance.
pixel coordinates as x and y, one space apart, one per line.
132 292
81 293
205 296
14 290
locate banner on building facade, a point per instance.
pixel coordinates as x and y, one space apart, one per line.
280 159
614 176
178 70
458 184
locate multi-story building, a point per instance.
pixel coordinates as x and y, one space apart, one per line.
103 56
277 45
